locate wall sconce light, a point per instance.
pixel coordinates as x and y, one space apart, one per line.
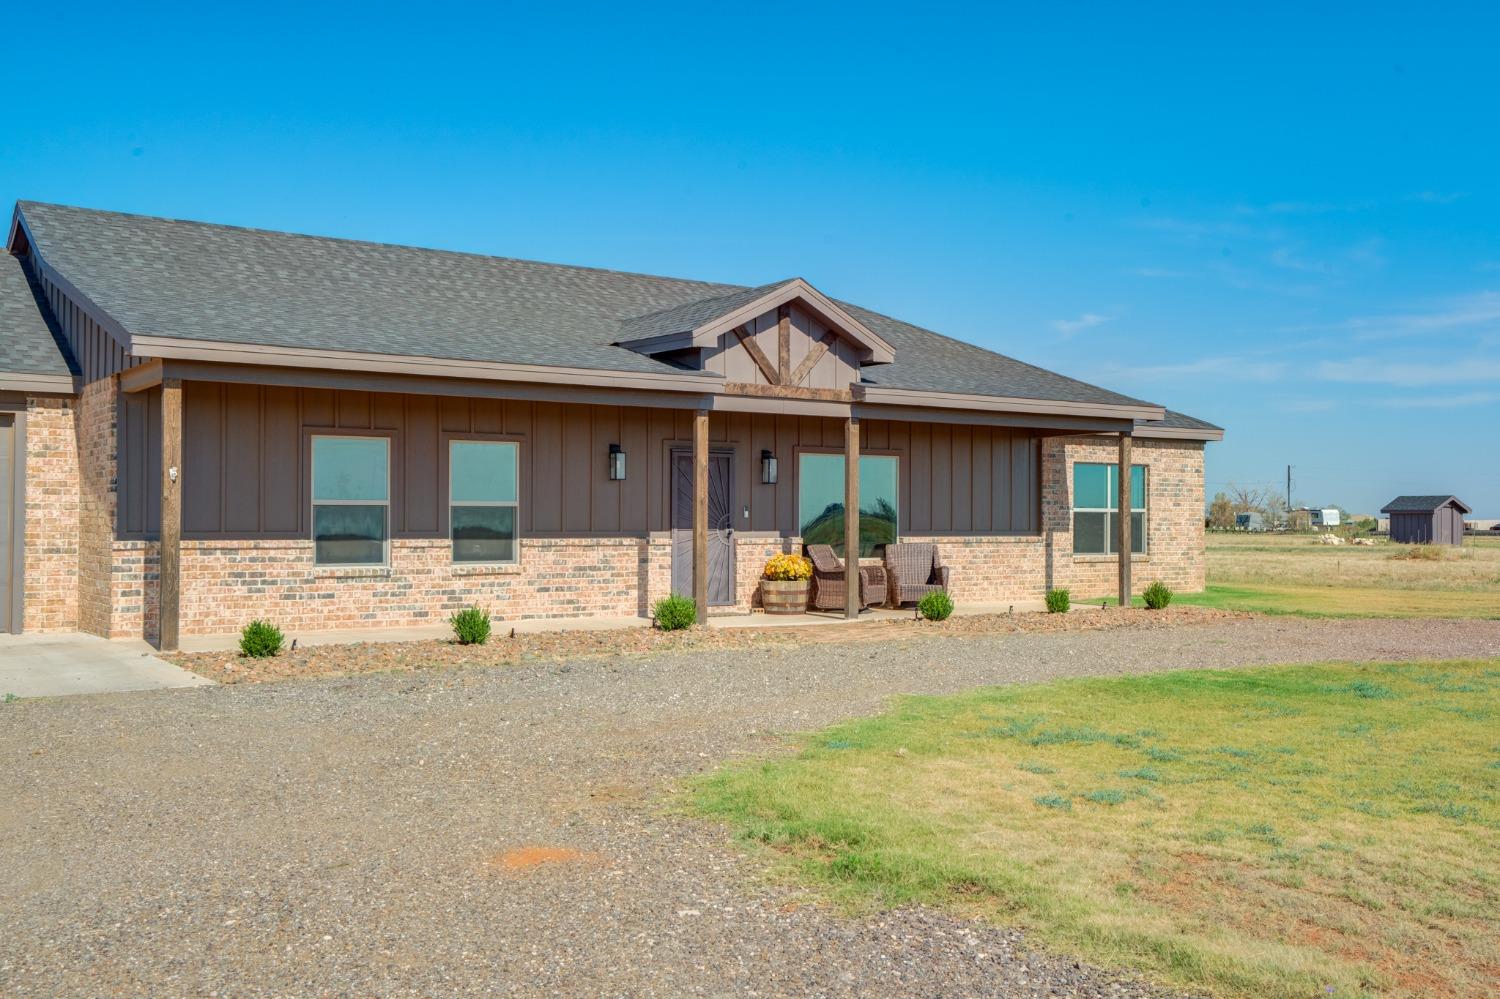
767 468
616 463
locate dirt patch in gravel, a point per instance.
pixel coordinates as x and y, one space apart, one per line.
527 857
513 649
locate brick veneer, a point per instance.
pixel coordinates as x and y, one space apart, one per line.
1174 505
79 574
50 602
97 498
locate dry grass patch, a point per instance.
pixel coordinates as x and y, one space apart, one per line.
1293 574
1282 831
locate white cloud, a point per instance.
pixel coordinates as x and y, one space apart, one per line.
1290 259
1378 371
1307 405
1437 197
1226 367
1474 311
1067 327
1443 401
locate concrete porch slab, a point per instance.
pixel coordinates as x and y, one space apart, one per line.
71 663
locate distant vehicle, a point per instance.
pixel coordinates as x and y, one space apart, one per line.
1249 522
1327 517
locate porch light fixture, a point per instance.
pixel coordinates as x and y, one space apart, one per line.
616 463
767 468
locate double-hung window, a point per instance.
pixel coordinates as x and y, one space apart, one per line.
351 500
482 490
1096 499
820 500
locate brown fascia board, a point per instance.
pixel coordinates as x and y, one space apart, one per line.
174 348
876 350
878 394
1046 423
419 384
1179 433
23 381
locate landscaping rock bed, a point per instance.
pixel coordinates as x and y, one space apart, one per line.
510 649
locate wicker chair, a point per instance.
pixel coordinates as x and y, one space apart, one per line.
829 580
913 570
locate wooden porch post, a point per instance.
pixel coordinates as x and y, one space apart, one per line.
851 518
169 573
1124 520
700 513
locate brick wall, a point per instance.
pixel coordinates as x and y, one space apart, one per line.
1174 504
50 602
113 589
97 497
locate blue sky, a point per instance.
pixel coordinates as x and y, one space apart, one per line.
1283 221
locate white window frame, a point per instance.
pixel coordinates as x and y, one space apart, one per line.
1114 495
312 490
514 504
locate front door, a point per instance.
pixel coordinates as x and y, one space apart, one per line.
8 541
720 527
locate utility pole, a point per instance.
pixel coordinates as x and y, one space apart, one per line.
1289 494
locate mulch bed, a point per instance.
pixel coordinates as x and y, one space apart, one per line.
505 649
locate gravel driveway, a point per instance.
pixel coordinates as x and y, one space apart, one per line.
346 837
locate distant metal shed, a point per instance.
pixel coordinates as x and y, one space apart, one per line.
1427 520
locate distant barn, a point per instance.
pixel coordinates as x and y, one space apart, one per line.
1427 520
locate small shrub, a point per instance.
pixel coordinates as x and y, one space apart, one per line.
675 612
1058 600
471 626
788 568
936 606
260 639
1157 595
1421 553
1054 801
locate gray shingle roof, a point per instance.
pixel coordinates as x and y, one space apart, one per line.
691 315
1182 421
200 281
31 342
1420 504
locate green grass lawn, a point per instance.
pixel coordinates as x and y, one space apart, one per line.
1280 831
1342 601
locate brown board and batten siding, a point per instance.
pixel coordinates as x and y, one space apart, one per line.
245 463
98 353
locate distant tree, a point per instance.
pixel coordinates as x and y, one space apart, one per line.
1221 513
1274 509
1245 499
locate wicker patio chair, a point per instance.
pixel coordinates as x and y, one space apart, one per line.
914 569
829 580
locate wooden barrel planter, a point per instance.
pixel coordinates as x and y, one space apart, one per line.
784 596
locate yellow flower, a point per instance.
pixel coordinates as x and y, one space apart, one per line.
788 567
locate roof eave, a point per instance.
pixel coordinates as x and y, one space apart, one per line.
38 384
880 394
1180 433
176 348
874 349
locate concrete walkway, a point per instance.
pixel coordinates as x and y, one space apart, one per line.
53 665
